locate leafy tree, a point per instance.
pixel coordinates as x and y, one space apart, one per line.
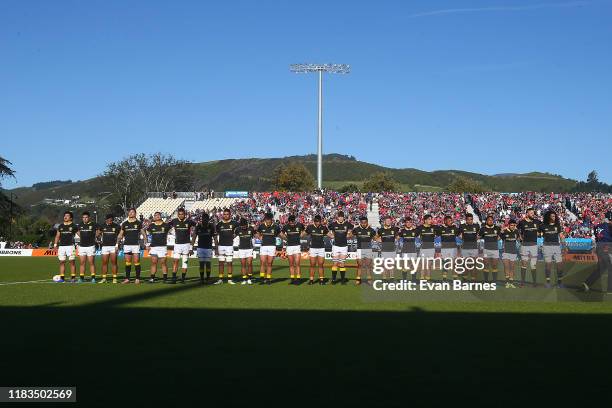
293 177
8 208
465 185
132 178
349 188
31 230
379 182
593 184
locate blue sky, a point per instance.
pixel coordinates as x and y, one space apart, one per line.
487 86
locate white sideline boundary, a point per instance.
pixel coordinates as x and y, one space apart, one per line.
34 281
51 280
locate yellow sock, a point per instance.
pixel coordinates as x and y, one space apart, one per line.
269 276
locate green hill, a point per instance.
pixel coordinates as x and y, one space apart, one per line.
255 174
338 170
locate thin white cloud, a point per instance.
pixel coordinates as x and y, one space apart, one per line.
501 8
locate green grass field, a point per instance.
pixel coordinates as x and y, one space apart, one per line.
338 345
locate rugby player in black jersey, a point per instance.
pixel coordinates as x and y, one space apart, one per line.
317 232
130 232
87 232
158 248
364 234
552 232
510 237
267 233
427 234
64 243
448 237
387 235
183 228
245 234
490 233
339 230
292 233
109 232
529 228
225 250
205 233
408 235
469 235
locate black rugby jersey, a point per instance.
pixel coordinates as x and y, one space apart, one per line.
205 235
131 231
490 234
529 231
551 232
67 232
87 234
448 236
159 234
109 233
225 230
268 233
408 236
245 237
182 230
510 238
340 231
469 234
427 235
316 235
293 233
387 236
364 236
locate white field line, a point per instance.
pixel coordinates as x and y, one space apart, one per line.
34 281
51 281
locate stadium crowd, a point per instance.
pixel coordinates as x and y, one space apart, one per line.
579 212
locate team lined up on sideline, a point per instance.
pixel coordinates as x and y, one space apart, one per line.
519 238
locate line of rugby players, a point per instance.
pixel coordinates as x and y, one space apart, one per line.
518 237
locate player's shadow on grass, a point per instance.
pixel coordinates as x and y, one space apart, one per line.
159 290
147 356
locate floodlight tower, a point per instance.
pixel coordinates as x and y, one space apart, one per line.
320 69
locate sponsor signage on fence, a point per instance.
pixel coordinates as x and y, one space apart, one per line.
16 252
237 194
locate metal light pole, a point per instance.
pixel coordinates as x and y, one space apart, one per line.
320 68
